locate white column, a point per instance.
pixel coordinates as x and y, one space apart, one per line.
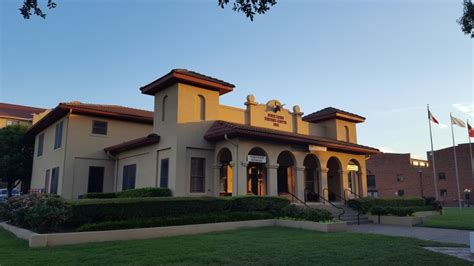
241 179
272 180
324 182
300 184
216 188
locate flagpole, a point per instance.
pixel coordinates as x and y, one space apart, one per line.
470 151
455 160
432 154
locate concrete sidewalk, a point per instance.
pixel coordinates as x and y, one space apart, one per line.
424 233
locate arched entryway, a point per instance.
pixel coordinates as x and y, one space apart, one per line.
257 172
353 179
285 173
334 179
225 172
312 178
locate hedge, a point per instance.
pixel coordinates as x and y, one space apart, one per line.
131 193
172 221
102 210
365 204
307 214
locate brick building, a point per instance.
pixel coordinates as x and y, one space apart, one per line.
392 174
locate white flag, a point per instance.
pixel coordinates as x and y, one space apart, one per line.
458 122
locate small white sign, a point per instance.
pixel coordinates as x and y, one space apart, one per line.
352 167
317 148
256 159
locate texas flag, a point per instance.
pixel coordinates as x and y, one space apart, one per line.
432 118
470 130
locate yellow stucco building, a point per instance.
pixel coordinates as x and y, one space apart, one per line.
197 146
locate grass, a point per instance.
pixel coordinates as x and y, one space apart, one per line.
453 218
269 245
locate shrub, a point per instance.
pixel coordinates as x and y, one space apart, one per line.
254 203
37 212
307 214
131 193
99 195
172 221
365 204
145 192
101 210
3 211
48 214
397 211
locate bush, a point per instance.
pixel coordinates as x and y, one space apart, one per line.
102 210
37 212
172 221
397 211
307 214
365 204
144 192
99 195
131 193
3 211
254 203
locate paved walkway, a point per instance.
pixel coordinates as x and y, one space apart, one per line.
424 233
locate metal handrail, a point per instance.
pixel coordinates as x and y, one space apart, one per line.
337 195
337 207
352 192
358 211
298 199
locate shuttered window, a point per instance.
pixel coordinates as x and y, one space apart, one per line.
197 175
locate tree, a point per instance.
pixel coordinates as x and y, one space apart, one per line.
467 20
16 155
248 7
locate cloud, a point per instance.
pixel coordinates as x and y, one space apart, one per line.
465 108
387 150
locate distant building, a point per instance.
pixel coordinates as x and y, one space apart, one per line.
391 174
12 114
196 146
69 157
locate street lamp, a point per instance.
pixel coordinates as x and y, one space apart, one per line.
467 197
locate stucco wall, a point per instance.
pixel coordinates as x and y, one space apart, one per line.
3 121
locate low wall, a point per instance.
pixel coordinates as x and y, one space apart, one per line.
59 239
417 218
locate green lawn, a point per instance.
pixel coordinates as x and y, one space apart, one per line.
453 218
252 246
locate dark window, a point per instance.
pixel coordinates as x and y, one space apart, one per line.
373 193
371 181
443 192
96 179
164 173
400 178
99 127
46 182
401 192
58 137
54 181
129 175
40 144
197 174
442 176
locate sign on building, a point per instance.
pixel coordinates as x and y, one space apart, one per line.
256 159
352 167
317 148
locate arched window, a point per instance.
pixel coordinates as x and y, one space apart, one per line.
202 107
163 108
346 130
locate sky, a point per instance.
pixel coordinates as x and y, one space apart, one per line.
382 59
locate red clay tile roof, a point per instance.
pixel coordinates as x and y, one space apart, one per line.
97 110
333 113
219 129
133 144
187 77
19 111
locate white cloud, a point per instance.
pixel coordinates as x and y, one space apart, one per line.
465 108
387 150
